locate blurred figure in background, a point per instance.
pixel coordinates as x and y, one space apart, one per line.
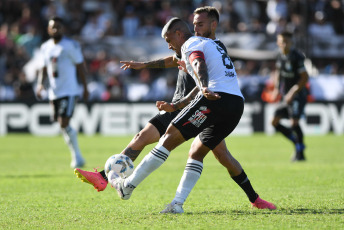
63 63
290 82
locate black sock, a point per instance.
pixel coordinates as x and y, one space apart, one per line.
243 181
299 133
103 175
286 132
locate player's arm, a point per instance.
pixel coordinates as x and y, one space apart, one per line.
41 77
200 69
80 68
171 107
297 87
276 82
167 62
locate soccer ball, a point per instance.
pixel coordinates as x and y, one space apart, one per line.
119 164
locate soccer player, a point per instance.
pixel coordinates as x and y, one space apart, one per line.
205 23
63 62
212 115
290 82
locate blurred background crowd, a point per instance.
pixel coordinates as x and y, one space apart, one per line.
113 30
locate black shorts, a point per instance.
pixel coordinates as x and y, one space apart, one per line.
162 120
64 107
294 110
212 120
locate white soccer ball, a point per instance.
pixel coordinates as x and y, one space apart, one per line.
120 164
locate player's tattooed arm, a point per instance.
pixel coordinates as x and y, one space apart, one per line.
201 71
132 154
186 100
166 62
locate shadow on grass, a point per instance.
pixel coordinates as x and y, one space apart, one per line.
299 211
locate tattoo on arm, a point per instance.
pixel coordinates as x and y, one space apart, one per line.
132 154
160 63
201 70
186 100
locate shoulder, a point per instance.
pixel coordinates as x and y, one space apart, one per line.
70 43
46 44
296 54
195 43
219 43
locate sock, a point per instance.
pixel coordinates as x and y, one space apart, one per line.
286 132
297 129
103 175
70 137
153 160
243 181
192 173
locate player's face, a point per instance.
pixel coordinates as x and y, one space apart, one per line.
173 42
284 43
55 29
202 25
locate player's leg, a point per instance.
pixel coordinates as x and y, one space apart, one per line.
182 128
63 111
280 113
297 111
151 133
152 161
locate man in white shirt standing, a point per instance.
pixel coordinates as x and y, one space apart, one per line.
63 62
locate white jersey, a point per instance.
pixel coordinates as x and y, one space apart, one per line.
60 60
221 71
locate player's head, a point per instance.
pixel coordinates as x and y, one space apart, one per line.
175 33
55 28
205 21
284 41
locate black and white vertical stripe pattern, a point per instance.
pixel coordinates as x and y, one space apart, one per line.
193 167
159 154
188 107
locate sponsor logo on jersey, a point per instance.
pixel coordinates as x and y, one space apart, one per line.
198 117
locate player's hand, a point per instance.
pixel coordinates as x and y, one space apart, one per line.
165 106
210 95
182 66
132 65
39 90
288 98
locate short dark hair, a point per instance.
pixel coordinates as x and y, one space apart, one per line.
286 34
57 19
175 24
212 12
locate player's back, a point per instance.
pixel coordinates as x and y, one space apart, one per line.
221 71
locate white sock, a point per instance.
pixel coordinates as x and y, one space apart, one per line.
149 163
192 173
71 139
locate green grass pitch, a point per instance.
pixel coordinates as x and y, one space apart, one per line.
38 190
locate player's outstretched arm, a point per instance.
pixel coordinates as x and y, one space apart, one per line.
162 63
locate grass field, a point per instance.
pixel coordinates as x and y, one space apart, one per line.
38 190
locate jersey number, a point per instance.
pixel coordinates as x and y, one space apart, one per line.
227 62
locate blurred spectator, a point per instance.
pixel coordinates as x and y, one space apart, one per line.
277 11
320 27
149 28
246 10
130 23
